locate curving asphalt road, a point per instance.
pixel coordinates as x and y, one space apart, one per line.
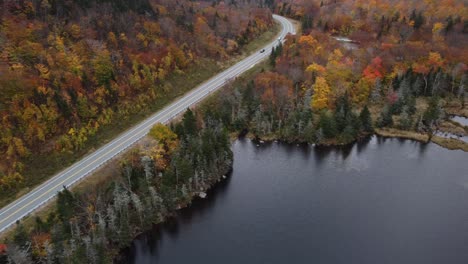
46 191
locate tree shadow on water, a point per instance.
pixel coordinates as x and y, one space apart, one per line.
304 149
321 154
148 243
291 149
423 148
344 151
362 144
382 140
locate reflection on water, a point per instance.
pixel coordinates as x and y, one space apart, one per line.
377 201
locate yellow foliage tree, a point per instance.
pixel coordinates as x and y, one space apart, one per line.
322 92
316 68
43 71
307 41
164 136
339 74
361 91
435 60
437 28
75 31
112 40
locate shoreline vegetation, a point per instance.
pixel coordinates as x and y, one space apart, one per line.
162 174
365 125
448 143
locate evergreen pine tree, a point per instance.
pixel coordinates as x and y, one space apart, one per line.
65 205
20 236
406 122
385 118
189 122
366 120
433 112
272 57
328 125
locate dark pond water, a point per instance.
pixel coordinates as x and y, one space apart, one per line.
380 201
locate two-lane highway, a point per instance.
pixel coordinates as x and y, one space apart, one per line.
46 191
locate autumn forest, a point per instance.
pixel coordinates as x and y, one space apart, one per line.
70 70
359 65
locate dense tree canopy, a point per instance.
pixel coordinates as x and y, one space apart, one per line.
67 68
353 57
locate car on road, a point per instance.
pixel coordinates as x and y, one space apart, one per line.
263 50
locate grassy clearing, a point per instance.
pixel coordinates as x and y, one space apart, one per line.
453 127
396 133
35 172
457 111
454 107
450 143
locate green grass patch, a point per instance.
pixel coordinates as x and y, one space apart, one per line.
397 133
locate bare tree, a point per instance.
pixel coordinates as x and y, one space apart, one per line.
19 255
